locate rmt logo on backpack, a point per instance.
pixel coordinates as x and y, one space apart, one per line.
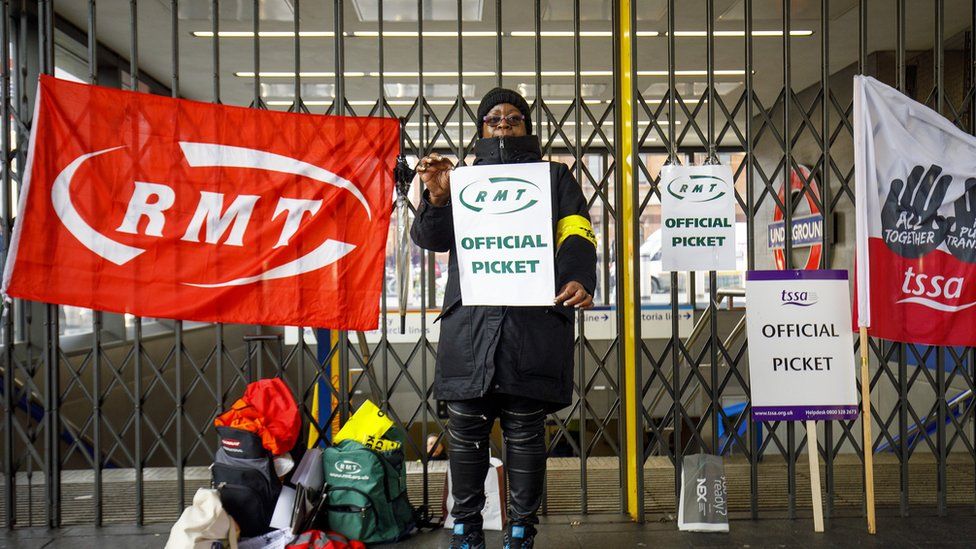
348 469
346 466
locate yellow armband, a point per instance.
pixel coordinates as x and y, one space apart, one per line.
574 225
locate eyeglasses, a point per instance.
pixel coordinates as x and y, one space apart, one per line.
512 119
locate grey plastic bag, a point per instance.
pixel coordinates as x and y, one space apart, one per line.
703 506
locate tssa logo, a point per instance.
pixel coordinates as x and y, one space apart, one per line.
697 188
798 299
348 467
218 219
500 195
927 290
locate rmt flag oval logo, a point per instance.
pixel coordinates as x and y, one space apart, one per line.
176 209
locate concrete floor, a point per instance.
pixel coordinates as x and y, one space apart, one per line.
603 532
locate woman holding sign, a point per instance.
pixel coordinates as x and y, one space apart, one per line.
510 363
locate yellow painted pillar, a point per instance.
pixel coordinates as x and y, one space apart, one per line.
627 307
317 394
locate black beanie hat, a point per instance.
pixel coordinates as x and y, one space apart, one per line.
498 96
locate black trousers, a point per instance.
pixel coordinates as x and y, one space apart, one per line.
522 421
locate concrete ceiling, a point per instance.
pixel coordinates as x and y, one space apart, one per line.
401 54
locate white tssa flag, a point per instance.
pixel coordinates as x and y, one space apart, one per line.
503 234
915 192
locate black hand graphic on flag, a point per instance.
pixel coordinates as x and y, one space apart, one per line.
961 240
910 221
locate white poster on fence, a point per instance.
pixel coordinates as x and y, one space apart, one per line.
801 345
503 234
697 218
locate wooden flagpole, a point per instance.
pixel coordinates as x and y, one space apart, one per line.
814 453
868 438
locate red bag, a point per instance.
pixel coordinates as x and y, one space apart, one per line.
268 410
317 539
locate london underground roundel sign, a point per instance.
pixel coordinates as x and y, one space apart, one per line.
807 230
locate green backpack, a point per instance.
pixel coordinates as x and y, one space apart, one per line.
366 491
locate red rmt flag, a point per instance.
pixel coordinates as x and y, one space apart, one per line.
168 208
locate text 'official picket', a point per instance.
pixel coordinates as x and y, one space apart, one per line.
693 241
510 242
799 330
802 363
505 267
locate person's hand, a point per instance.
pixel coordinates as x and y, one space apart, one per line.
962 238
910 221
435 172
574 295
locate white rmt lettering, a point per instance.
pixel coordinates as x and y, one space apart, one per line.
296 208
208 211
139 206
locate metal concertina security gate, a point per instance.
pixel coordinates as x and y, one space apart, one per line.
108 418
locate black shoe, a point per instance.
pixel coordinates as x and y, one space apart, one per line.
519 536
468 537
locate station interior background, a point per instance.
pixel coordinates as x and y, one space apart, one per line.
122 408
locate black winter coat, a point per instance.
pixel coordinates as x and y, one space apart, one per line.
522 351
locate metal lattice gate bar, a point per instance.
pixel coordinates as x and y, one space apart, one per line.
107 418
801 134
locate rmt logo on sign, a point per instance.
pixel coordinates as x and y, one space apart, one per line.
500 195
697 188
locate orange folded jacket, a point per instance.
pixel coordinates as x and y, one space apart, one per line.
268 410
